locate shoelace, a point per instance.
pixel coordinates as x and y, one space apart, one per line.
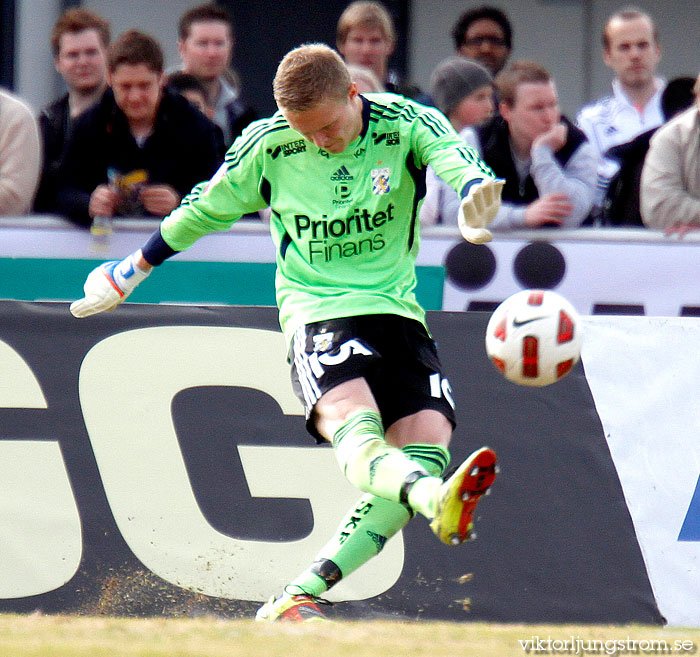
289 590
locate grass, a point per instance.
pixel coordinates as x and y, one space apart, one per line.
36 635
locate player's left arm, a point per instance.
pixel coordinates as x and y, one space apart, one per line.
460 166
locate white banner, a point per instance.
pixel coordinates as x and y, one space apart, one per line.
644 376
636 271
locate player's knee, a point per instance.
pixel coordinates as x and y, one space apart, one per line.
361 462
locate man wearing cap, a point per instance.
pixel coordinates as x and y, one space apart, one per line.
462 89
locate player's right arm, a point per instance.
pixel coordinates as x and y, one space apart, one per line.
110 283
212 206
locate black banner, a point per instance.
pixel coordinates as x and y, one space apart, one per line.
175 432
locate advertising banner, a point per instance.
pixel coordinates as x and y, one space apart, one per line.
154 461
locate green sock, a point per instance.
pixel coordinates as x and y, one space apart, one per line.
365 529
373 465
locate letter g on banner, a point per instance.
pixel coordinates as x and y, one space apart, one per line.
40 535
127 384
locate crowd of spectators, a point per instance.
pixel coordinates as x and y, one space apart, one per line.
128 138
142 147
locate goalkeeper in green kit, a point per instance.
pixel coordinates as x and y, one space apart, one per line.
344 176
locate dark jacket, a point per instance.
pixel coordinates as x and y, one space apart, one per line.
494 138
239 116
55 125
621 205
185 148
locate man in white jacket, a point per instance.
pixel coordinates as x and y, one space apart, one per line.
670 189
631 50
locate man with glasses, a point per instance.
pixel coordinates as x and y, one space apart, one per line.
485 35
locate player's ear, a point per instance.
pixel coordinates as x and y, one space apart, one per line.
353 90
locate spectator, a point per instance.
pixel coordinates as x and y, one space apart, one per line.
621 206
631 49
191 88
205 45
142 147
462 90
670 191
485 35
547 163
366 37
79 42
20 155
366 81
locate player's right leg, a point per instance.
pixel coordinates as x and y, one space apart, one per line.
453 520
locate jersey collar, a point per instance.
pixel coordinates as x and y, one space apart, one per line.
365 117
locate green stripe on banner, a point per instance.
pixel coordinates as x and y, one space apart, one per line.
231 283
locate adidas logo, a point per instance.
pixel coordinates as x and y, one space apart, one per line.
342 175
378 539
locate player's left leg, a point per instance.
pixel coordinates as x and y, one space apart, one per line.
449 504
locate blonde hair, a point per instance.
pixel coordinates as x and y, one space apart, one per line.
365 78
365 14
308 75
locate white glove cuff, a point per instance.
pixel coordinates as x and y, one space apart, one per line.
127 274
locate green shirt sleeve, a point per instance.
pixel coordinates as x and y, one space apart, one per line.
233 191
438 145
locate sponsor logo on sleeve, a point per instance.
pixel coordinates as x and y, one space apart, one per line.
290 148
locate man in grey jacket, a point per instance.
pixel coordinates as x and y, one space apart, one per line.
20 155
548 164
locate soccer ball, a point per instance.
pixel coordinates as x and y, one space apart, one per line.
534 337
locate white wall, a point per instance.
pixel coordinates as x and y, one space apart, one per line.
159 19
36 79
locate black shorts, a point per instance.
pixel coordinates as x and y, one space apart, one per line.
395 355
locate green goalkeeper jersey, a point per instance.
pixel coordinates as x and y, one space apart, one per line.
345 225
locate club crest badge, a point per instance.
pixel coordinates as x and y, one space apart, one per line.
381 183
323 342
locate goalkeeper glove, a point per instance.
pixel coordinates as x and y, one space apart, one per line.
108 285
478 209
